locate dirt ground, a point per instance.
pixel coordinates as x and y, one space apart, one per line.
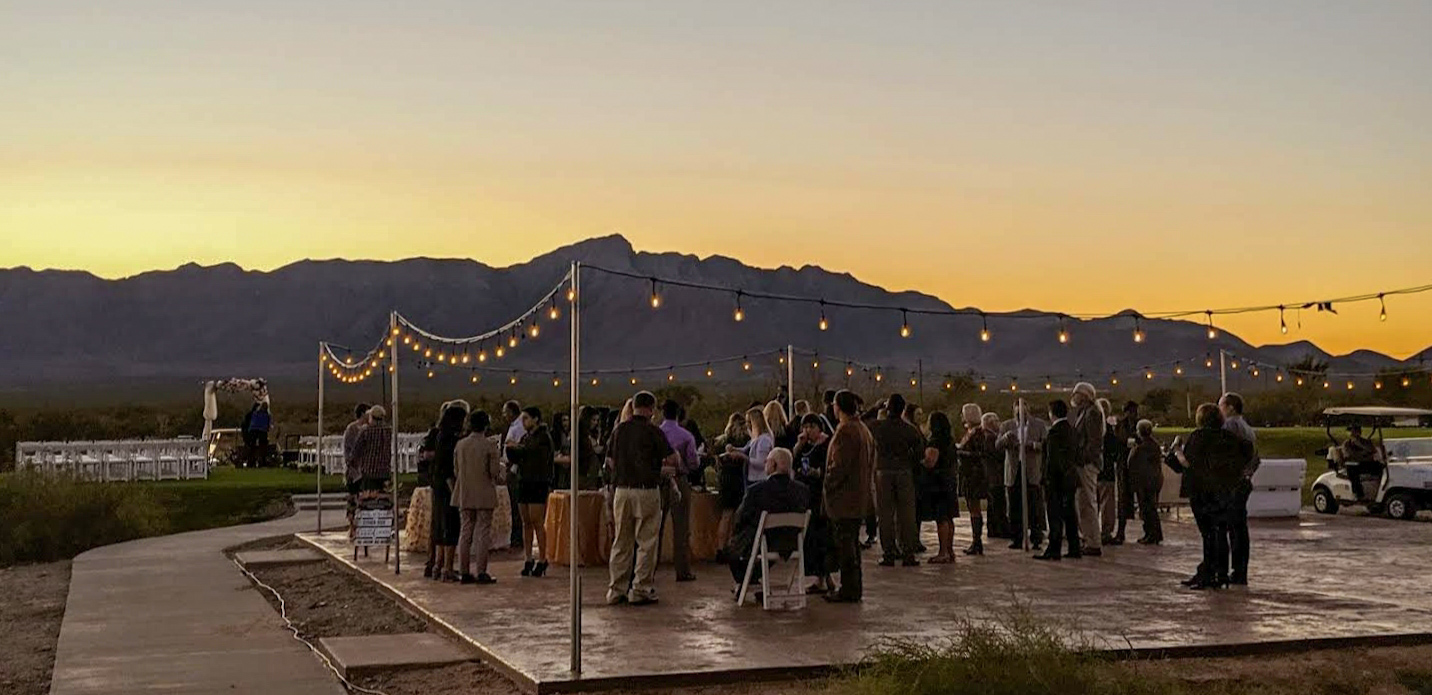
30 616
326 601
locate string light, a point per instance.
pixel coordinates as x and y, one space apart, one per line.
464 357
984 328
1406 382
474 378
512 340
1208 362
1178 368
552 313
513 379
442 357
1014 386
1326 384
709 372
407 339
1149 375
949 385
655 298
390 342
594 381
1063 332
1212 331
1300 381
1377 385
1382 302
571 295
1349 385
671 376
740 314
1138 331
984 386
1282 320
430 373
395 331
879 376
533 330
1278 377
1114 380
428 352
824 324
500 351
815 364
482 355
745 365
1255 371
633 381
1233 364
556 382
912 381
1048 385
904 324
849 370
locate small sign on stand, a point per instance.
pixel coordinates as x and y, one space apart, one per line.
373 526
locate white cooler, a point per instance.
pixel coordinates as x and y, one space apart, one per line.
1277 488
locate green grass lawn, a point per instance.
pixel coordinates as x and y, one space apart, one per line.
239 495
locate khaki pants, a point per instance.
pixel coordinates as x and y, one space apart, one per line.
1086 500
636 512
895 503
679 512
476 530
1108 508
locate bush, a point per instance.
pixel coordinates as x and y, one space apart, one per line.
47 517
1008 653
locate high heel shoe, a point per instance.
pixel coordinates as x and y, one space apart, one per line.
540 569
1209 584
527 568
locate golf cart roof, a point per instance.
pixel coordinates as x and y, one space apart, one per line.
1373 415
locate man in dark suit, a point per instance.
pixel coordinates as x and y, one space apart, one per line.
777 494
1061 479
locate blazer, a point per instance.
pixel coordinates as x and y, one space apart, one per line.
1060 458
479 472
1035 432
1145 463
850 472
1089 429
777 494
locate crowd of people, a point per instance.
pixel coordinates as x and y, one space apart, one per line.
1065 486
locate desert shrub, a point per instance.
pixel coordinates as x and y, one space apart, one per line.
52 517
1009 652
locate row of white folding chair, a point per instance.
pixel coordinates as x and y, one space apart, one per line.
118 460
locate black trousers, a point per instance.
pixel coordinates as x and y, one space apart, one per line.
847 553
1016 513
1210 510
1148 496
1238 528
1063 518
516 513
1127 499
997 510
872 526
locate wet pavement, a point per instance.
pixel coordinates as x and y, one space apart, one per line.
1315 577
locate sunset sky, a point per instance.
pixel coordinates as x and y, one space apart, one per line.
1085 156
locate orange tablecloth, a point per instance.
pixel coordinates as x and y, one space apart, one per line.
594 541
594 545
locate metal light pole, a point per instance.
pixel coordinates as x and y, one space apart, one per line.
790 380
393 454
318 453
575 575
1022 425
1222 371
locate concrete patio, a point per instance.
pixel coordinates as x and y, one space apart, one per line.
1313 578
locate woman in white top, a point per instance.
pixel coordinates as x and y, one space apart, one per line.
757 449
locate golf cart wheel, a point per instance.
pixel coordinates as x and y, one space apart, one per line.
1324 502
1401 506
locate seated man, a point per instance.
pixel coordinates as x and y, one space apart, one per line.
777 494
1359 458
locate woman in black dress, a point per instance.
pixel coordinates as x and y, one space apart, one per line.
938 498
447 520
731 484
973 450
810 455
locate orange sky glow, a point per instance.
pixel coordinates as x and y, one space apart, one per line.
1150 156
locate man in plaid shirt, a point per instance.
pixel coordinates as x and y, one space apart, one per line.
373 452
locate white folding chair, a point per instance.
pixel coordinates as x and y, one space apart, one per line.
789 595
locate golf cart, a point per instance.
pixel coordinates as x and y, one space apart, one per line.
1398 486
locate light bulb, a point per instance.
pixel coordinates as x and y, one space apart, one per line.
428 352
984 335
849 371
879 376
1212 333
824 324
442 357
474 378
594 381
532 331
571 295
481 355
1138 335
395 331
556 382
633 381
905 330
512 341
1382 313
552 313
1278 377
656 301
709 372
815 364
739 315
1048 386
513 380
1377 385
912 382
407 339
1114 381
1178 369
464 358
670 377
430 373
984 387
746 366
500 351
1406 382
949 385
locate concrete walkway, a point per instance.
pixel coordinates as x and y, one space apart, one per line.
174 615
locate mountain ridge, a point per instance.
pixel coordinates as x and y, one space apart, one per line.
223 319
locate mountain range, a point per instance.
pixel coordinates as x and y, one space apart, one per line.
216 321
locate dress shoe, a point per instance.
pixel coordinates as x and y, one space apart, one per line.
467 579
1116 540
485 579
643 601
1053 557
1094 552
1195 579
616 599
1074 555
886 562
1209 584
1238 579
910 562
686 577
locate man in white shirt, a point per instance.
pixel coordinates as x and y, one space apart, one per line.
512 410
